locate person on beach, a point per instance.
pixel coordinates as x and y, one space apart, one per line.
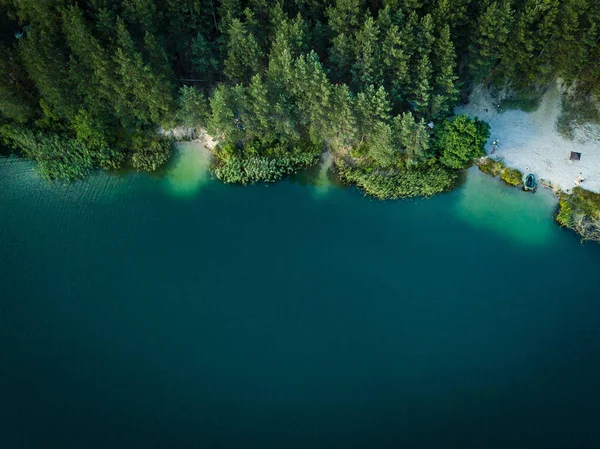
495 144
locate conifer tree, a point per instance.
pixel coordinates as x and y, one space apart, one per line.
421 90
411 137
372 107
18 99
366 69
444 79
491 33
243 53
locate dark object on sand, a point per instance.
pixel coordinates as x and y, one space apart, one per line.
530 182
575 156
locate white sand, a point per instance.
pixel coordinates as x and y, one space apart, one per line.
531 143
197 135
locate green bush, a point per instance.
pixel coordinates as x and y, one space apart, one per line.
460 139
491 167
564 217
57 156
152 156
580 211
512 176
425 179
258 163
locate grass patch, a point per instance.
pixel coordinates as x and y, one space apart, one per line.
512 176
580 211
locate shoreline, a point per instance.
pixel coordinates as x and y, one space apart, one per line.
531 143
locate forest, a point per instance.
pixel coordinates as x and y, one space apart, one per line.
88 84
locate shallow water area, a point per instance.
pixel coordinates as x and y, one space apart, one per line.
525 217
189 170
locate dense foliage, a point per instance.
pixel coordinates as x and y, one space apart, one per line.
427 179
88 83
580 211
460 140
512 176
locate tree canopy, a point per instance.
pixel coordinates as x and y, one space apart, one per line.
273 79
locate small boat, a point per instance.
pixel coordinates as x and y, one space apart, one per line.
530 182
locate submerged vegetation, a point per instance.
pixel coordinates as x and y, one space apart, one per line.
580 211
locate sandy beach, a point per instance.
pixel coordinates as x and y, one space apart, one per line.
531 143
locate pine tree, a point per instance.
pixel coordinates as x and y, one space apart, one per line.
395 61
491 33
204 59
344 20
144 96
258 114
312 93
141 15
344 16
47 65
411 137
367 66
224 122
372 107
243 53
193 108
421 90
381 145
341 131
17 94
444 88
521 59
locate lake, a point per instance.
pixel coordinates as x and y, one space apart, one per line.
178 312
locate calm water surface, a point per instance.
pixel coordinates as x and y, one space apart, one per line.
138 312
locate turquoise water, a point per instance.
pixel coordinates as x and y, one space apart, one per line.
133 315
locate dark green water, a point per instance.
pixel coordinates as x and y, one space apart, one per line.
136 314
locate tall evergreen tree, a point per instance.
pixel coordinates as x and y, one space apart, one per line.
366 68
243 53
491 33
444 89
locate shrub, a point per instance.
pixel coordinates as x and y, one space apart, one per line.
491 167
460 139
258 163
425 179
152 156
512 176
58 156
580 211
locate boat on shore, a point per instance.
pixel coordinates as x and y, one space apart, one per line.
530 182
